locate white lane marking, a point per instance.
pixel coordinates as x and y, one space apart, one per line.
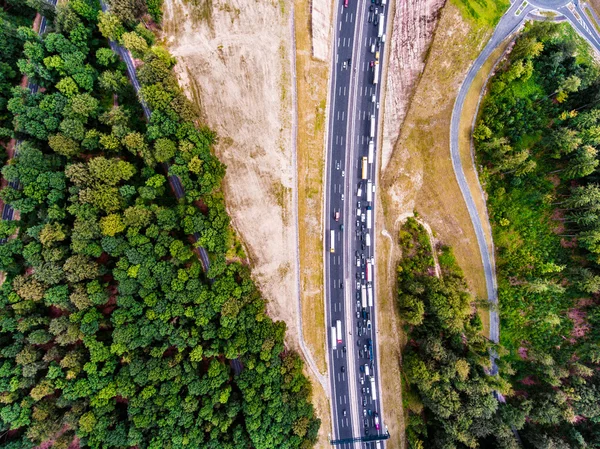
340 26
344 91
343 115
346 17
341 140
351 17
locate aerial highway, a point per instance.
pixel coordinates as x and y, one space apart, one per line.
357 57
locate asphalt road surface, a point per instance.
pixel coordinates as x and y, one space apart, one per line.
350 240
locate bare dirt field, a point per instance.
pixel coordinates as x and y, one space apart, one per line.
233 61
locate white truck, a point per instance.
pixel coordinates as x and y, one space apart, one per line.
332 247
368 239
370 296
369 273
381 25
367 369
376 74
338 328
373 390
363 296
333 337
372 134
369 213
371 151
369 191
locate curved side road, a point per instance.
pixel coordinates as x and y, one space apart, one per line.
507 25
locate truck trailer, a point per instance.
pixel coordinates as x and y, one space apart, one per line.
372 134
363 296
368 239
333 337
373 390
381 25
338 328
371 151
376 74
370 295
332 247
369 191
369 213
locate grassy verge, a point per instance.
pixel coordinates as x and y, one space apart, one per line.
312 92
592 19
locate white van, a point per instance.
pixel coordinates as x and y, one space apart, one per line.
372 48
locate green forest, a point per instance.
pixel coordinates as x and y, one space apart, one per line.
536 141
111 333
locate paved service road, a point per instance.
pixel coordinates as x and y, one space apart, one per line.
349 273
510 22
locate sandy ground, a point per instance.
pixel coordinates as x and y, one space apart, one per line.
414 24
320 21
233 62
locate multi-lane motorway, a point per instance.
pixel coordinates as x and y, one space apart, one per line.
357 57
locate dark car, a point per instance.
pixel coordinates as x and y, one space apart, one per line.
343 369
372 7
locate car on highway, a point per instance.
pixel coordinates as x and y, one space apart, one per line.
371 7
372 63
368 325
358 204
366 423
336 215
344 65
344 412
376 419
337 165
343 171
342 197
364 412
364 401
344 349
343 369
357 314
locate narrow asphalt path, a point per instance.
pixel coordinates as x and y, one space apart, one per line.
509 23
